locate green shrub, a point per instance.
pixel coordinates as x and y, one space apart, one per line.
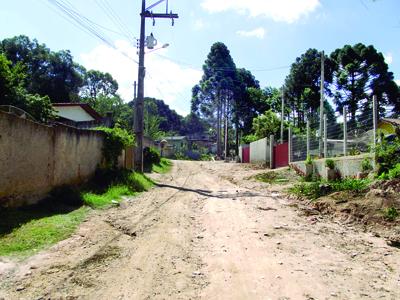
151 157
116 139
387 155
330 163
395 172
309 160
391 213
366 165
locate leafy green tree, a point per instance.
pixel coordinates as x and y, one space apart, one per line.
52 74
13 93
97 84
266 124
302 85
152 120
121 112
193 125
212 97
360 72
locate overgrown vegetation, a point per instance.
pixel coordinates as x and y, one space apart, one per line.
116 139
318 188
29 229
390 213
387 156
272 177
151 156
163 167
25 231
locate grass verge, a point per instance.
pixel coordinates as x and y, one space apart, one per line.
316 189
24 231
163 167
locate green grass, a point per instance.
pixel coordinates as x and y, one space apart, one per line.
24 231
271 177
316 189
128 184
164 166
39 232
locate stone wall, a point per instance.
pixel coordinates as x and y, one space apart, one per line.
35 158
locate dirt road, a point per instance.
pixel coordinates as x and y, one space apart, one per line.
208 233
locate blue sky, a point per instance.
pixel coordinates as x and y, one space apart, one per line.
264 36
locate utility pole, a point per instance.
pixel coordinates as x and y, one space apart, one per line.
321 108
146 13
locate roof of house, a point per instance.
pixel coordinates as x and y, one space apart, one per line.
395 122
175 138
86 107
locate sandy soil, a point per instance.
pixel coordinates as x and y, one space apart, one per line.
208 233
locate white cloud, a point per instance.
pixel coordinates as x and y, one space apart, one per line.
388 58
165 79
398 82
279 10
258 33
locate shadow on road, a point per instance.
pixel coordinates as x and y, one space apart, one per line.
211 194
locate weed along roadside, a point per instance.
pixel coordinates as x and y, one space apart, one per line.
29 229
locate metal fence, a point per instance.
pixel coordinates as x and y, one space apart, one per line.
347 135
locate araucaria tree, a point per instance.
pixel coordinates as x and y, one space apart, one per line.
213 96
361 72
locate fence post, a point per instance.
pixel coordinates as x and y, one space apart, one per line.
345 131
375 116
325 137
271 151
290 144
308 138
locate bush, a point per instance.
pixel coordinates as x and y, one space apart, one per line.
330 163
116 139
387 155
395 172
391 213
309 160
151 157
366 165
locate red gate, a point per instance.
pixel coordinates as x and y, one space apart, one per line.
246 155
281 155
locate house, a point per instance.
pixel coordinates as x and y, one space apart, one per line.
80 115
389 126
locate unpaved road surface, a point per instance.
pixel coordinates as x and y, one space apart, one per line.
208 233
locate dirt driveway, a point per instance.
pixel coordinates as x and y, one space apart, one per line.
207 233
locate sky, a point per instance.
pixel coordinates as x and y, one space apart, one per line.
263 36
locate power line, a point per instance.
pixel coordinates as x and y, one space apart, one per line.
220 68
83 23
112 15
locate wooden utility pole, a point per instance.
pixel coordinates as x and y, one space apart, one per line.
321 107
139 104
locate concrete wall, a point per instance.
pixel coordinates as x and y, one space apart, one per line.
35 158
259 152
348 166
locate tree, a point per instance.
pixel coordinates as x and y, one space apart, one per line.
152 120
302 85
266 124
13 93
193 125
361 72
48 73
213 95
122 113
97 83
